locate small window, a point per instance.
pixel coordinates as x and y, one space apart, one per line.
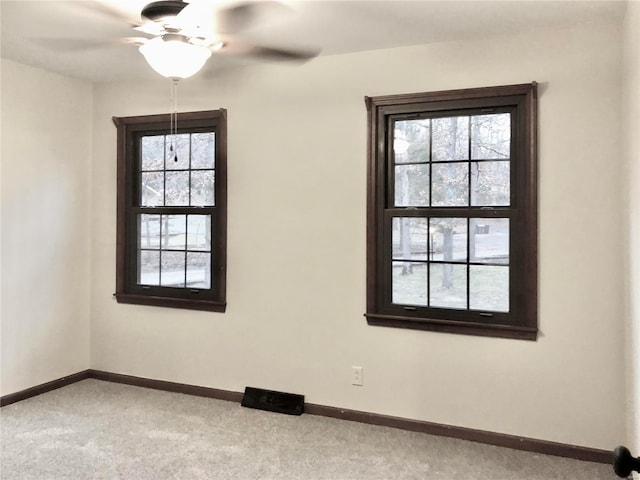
171 224
452 222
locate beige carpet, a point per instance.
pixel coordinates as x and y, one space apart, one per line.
100 430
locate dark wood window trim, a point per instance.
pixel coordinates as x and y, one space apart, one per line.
522 320
129 130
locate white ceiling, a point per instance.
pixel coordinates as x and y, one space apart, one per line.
75 38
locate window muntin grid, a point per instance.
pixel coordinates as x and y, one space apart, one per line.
450 262
174 250
177 170
453 161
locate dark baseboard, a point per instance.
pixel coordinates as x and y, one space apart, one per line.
480 436
44 388
167 386
491 438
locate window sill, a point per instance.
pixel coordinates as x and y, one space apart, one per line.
206 305
450 326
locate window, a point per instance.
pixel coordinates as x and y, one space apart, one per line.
452 211
171 225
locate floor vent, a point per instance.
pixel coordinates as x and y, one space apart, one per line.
289 403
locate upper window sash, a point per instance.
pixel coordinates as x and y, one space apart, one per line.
429 156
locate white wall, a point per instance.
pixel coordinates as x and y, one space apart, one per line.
296 266
45 208
631 118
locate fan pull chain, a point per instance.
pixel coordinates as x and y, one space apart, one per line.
173 118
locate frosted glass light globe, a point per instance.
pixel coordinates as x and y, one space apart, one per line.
174 58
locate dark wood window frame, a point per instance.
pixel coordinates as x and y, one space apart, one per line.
129 132
521 322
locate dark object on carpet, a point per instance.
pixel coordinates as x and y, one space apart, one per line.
624 463
280 402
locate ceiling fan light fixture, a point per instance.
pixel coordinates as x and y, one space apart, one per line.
175 57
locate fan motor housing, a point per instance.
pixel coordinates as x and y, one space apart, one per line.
167 8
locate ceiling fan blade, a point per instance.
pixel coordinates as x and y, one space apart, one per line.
109 12
150 28
134 41
243 16
238 48
68 45
205 17
197 19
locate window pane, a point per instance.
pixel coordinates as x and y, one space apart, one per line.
173 269
489 288
177 153
450 138
202 188
149 270
491 136
412 185
149 231
448 239
448 285
198 232
177 188
198 270
450 184
409 283
152 153
203 150
152 189
409 238
411 141
174 232
489 242
490 183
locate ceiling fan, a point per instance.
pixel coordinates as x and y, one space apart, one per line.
181 36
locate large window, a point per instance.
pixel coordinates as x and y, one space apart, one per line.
171 248
452 222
